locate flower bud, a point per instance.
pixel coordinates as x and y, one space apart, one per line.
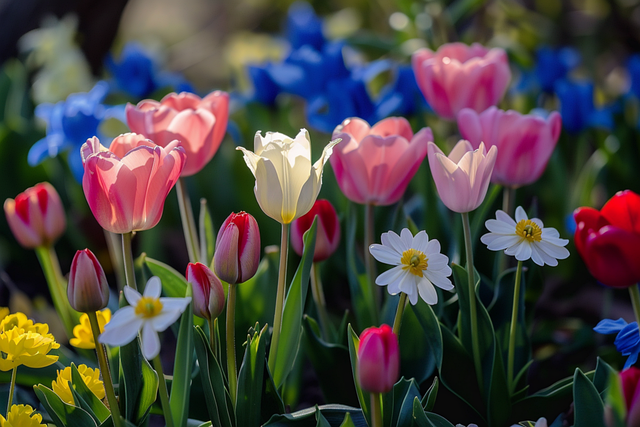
378 359
328 234
36 216
208 295
237 252
88 290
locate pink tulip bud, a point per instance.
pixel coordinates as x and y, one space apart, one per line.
88 290
36 216
208 294
378 359
328 230
237 252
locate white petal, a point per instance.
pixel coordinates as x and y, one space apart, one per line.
557 252
520 214
501 242
121 335
550 232
437 261
537 222
503 217
389 276
544 257
523 252
407 238
408 283
153 289
132 296
150 342
421 241
413 298
499 227
427 291
395 242
385 254
171 311
536 255
124 316
440 280
432 248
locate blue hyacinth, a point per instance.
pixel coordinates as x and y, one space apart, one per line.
627 341
553 65
577 108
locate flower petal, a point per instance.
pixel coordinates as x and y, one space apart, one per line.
150 342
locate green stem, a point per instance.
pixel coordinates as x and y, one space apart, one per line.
508 200
513 329
282 277
162 389
106 372
370 266
115 253
472 298
397 321
318 298
12 387
127 255
57 288
213 342
188 221
635 300
376 410
202 235
231 343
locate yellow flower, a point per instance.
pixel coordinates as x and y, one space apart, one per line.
22 416
82 336
20 347
91 378
20 320
4 312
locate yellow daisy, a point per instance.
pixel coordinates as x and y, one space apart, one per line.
20 347
91 378
22 416
82 336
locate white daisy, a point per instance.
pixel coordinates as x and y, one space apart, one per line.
147 312
418 265
525 238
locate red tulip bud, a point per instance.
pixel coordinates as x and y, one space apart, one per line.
88 290
237 252
328 234
208 295
378 359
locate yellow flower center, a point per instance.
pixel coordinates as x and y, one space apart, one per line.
148 307
529 230
415 261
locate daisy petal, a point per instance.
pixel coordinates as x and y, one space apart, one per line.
389 276
427 291
407 238
122 334
153 288
384 254
521 214
500 227
131 295
503 217
150 342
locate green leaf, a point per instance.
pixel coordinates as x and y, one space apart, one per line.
138 383
174 285
333 414
61 413
94 406
291 329
547 403
321 421
429 399
183 366
616 401
347 421
403 400
213 382
207 234
416 352
363 396
589 408
426 419
602 375
250 378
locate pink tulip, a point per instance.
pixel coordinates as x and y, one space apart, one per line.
126 185
88 290
327 234
237 253
199 124
208 294
458 76
378 359
462 178
36 216
374 165
525 142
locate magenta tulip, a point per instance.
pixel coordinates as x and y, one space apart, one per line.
327 234
374 165
88 290
525 142
36 216
208 294
199 124
126 185
458 76
237 253
378 359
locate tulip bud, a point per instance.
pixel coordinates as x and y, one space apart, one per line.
36 216
237 252
88 290
378 359
208 295
328 234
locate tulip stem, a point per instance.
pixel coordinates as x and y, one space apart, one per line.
231 343
369 231
513 328
508 200
282 278
472 297
318 298
635 300
188 221
127 255
213 340
57 287
12 387
162 389
113 241
106 372
397 322
376 410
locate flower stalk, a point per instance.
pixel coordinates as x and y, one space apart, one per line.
397 322
12 387
162 390
369 231
231 343
127 255
634 292
282 277
376 410
318 297
188 221
513 328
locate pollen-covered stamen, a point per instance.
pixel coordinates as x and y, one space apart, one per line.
529 230
415 261
148 307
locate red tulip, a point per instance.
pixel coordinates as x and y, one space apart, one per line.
199 124
237 253
88 290
328 230
208 294
378 359
608 240
36 216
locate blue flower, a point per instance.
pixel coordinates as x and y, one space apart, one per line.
137 73
70 123
402 97
554 64
633 66
304 27
628 340
577 109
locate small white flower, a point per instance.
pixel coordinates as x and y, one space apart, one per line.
418 265
525 238
147 312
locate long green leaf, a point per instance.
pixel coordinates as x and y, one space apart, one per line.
291 329
138 383
363 396
589 408
63 414
94 406
333 414
183 367
250 378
